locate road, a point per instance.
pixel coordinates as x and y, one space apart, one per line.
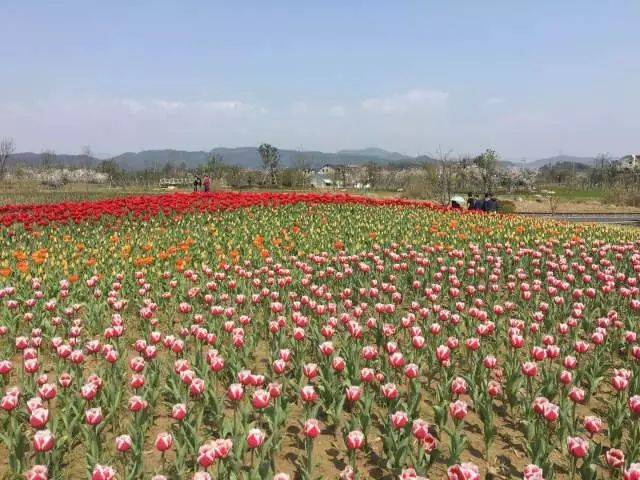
603 217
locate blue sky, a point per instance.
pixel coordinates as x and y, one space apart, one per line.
530 79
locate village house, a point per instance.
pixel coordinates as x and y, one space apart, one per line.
629 162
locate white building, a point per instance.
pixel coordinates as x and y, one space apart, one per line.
629 162
318 181
327 170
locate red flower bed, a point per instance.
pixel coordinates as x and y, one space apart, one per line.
145 206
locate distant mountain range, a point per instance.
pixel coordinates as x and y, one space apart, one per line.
248 157
560 159
244 157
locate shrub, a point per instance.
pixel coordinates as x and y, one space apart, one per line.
506 206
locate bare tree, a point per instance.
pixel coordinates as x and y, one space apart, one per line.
372 174
48 158
444 176
300 169
270 157
7 147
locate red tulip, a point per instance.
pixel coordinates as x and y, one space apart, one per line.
399 419
310 370
43 441
206 455
458 409
137 404
355 440
464 471
9 402
490 362
260 399
566 377
93 416
551 412
577 395
164 441
592 424
494 388
311 428
48 391
420 429
89 391
255 438
619 382
178 411
633 472
338 364
578 447
279 366
614 458
34 403
235 392
103 472
532 472
367 375
634 405
123 443
39 417
37 472
308 394
389 391
196 388
353 393
458 386
530 369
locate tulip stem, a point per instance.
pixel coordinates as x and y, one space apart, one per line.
309 449
572 470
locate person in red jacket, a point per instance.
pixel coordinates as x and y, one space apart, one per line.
207 183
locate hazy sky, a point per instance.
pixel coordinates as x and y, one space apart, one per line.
529 78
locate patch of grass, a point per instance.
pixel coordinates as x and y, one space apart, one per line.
24 192
572 193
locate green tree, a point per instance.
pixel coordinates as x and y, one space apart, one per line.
487 163
111 168
214 162
270 157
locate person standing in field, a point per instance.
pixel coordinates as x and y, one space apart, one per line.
494 203
471 203
207 183
485 203
477 203
490 203
196 183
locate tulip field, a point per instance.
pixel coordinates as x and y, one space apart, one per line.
306 336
